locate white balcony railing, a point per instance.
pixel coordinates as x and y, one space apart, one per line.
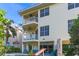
31 20
31 37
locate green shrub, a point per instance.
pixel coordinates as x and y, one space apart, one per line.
30 53
2 50
13 50
66 47
68 50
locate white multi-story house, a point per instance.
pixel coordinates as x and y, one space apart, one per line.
16 41
45 23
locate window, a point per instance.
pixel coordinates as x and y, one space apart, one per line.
73 5
44 31
70 5
70 23
44 12
76 4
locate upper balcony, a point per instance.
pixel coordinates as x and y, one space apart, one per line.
30 22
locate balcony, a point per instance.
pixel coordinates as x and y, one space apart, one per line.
31 20
30 37
30 24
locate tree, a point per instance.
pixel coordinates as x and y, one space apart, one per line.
5 28
74 33
9 29
6 25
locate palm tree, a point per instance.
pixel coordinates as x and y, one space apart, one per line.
10 31
6 30
6 24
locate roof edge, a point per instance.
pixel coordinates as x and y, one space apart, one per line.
34 7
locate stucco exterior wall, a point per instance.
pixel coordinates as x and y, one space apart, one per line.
57 21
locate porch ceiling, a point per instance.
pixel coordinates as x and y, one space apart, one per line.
30 27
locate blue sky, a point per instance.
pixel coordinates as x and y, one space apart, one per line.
13 10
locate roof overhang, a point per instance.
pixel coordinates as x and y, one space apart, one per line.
34 8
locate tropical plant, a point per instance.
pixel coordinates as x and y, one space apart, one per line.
5 24
5 28
13 50
74 33
30 53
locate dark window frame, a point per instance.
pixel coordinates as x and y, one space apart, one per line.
44 12
44 30
76 5
71 6
70 24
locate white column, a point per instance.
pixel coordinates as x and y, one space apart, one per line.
27 47
55 44
22 47
59 47
38 45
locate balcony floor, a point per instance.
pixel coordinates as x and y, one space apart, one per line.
30 27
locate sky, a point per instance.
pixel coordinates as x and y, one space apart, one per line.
13 9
